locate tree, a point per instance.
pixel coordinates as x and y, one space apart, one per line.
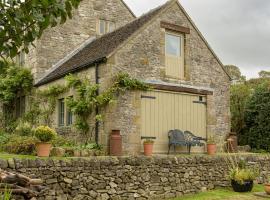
257 118
264 74
23 21
235 73
240 94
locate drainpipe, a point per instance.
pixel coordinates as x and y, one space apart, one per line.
97 110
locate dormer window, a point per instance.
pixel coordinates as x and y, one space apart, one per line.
174 53
105 26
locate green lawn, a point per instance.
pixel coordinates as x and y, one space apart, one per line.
6 156
224 194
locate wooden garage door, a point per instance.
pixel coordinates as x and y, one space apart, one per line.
162 111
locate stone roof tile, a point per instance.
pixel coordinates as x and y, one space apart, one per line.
100 48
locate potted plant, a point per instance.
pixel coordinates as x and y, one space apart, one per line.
148 147
45 135
211 146
267 186
242 177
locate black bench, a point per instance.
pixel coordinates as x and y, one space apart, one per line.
188 139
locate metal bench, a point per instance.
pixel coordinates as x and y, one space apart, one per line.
188 139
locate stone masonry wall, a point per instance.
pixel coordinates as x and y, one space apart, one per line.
57 42
143 57
130 178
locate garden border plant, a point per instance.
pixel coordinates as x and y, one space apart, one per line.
42 102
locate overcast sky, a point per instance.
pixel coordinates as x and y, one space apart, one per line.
237 30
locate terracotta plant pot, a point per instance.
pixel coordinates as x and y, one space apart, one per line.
43 149
267 188
148 149
211 149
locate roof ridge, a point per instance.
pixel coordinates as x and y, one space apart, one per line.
129 9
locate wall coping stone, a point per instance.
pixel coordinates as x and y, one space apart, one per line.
97 162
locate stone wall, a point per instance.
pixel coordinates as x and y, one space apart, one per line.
129 177
143 57
57 42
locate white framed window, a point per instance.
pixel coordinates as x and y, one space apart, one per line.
61 112
65 116
105 26
102 27
111 26
174 55
69 115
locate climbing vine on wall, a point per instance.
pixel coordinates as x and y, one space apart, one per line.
88 98
47 99
14 80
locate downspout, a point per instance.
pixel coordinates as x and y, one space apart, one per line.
97 110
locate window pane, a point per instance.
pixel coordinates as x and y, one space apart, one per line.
61 116
102 26
173 45
111 26
69 116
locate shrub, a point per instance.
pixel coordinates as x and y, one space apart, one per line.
60 141
24 129
257 119
148 141
20 145
45 133
4 138
240 172
241 175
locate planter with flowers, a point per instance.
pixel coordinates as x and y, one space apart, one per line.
45 135
242 177
148 145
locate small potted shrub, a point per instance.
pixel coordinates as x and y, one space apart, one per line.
267 186
242 177
211 146
148 147
45 135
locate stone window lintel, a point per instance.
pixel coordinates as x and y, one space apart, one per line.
174 27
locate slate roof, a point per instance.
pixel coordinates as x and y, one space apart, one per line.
100 48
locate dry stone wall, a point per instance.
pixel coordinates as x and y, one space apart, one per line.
106 178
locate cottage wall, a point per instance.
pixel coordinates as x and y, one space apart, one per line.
143 57
57 42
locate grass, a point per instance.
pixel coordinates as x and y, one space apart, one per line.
6 156
224 194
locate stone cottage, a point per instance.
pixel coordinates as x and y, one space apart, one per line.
163 48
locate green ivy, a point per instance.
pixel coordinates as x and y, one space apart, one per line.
47 100
14 79
88 98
